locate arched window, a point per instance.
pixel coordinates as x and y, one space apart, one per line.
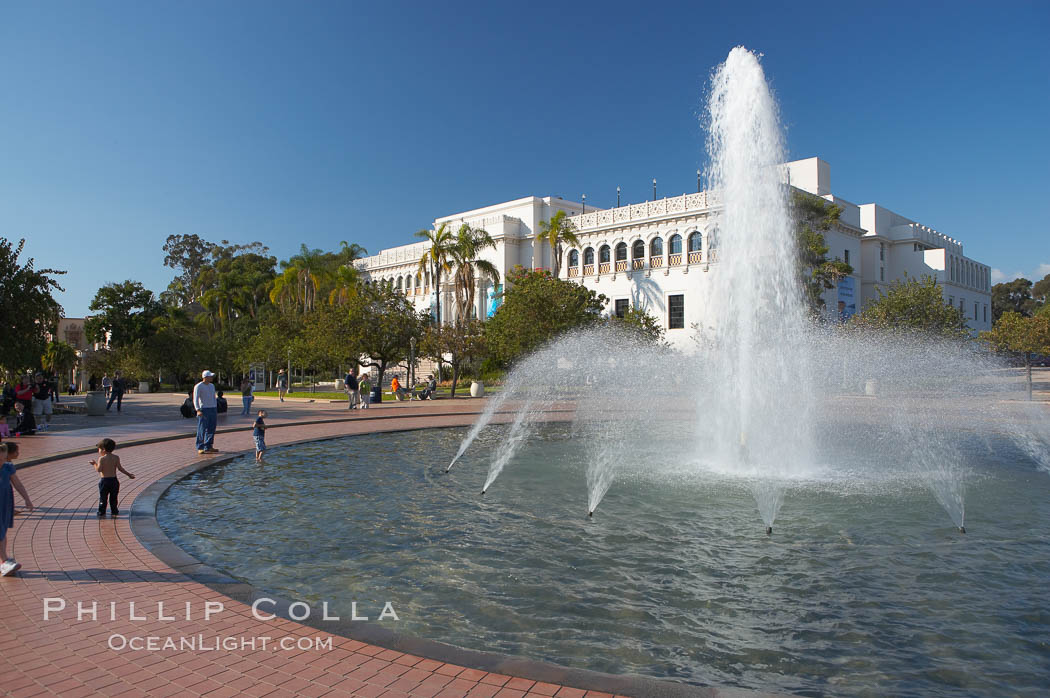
656 247
621 252
418 280
674 245
603 254
588 256
637 249
695 241
574 258
400 283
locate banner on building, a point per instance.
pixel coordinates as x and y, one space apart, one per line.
847 298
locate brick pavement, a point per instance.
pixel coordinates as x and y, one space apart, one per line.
68 553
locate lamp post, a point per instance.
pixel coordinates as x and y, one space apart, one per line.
585 203
617 197
698 181
654 189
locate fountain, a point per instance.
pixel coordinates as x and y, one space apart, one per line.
852 442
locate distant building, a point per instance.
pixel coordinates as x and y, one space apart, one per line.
653 255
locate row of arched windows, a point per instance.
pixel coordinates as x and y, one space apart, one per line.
408 284
606 254
963 271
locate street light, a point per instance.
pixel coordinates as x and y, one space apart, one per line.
585 203
654 189
617 197
698 181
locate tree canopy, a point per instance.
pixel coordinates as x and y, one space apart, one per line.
913 305
814 217
28 310
536 308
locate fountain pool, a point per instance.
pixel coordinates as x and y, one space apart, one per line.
866 588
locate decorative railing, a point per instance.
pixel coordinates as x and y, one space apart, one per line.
588 269
656 262
574 271
621 265
637 263
712 255
603 267
695 257
674 260
649 209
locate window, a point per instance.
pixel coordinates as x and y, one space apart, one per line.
882 273
574 258
621 307
676 310
638 250
675 245
951 300
588 256
656 247
975 311
986 313
882 253
621 252
845 256
603 254
695 242
962 309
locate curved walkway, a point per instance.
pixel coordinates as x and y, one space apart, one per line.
73 558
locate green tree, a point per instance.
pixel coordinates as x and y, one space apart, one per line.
813 217
125 310
455 345
59 358
383 323
913 305
302 279
469 244
436 260
556 232
1041 293
640 324
1022 335
1012 296
187 254
28 310
537 307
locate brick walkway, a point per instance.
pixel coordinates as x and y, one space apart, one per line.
67 553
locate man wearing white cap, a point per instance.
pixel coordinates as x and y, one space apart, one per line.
204 403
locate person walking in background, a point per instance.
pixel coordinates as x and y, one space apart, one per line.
107 383
9 482
116 391
351 387
42 403
107 467
246 395
364 388
282 384
207 414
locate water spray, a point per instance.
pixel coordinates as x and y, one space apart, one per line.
962 529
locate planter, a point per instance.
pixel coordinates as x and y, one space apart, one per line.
95 402
143 386
871 386
477 389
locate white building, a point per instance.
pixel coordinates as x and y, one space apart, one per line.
654 255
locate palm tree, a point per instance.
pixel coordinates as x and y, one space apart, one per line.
59 358
435 259
556 232
468 245
308 268
344 285
351 252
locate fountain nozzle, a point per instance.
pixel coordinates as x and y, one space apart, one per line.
482 493
962 529
769 530
590 513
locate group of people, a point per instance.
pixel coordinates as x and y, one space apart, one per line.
32 402
205 403
358 390
426 392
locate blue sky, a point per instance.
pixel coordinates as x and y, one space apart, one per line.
124 122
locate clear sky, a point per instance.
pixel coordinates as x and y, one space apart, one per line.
124 122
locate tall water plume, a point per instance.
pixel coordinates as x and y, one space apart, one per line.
760 401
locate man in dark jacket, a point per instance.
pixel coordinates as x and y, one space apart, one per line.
116 391
25 425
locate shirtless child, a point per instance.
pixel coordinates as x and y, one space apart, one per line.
108 486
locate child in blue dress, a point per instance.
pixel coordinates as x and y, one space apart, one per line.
259 434
8 483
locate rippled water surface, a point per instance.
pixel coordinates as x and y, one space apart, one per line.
865 588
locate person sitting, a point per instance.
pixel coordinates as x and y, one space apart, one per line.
25 424
220 403
187 409
426 392
395 387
